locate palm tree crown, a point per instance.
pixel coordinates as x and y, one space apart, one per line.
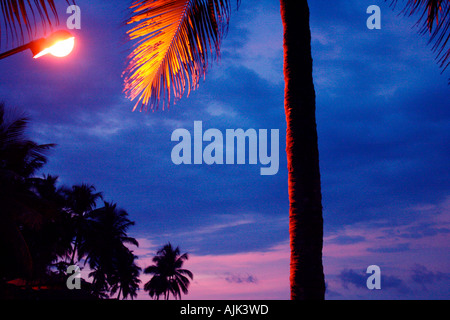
175 40
105 249
168 275
19 159
20 17
43 225
435 21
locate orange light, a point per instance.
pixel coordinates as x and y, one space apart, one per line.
60 49
59 44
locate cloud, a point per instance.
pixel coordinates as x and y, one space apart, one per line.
260 41
423 230
233 233
351 278
346 239
400 247
236 278
354 247
424 277
394 282
147 248
217 109
222 222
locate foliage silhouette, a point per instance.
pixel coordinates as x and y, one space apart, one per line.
19 159
106 253
44 227
434 21
168 275
81 199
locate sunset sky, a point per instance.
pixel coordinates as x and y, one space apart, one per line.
383 123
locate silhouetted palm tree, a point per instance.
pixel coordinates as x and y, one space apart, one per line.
52 241
434 18
19 159
168 275
81 199
125 279
42 223
105 250
175 39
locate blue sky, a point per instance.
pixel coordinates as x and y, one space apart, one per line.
383 123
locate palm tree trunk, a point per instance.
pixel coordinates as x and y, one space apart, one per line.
305 198
75 247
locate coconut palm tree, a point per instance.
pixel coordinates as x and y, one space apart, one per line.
53 240
175 41
82 200
105 251
41 223
434 21
125 280
168 275
20 158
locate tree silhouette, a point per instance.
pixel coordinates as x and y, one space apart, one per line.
81 199
434 21
125 279
43 225
168 275
19 159
105 251
52 240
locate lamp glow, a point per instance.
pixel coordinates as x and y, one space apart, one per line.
59 44
60 49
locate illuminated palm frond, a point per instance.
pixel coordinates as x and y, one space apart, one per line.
20 17
435 21
175 39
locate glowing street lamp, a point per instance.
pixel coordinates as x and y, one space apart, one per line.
58 44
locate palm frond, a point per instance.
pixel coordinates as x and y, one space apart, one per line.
175 39
21 18
434 21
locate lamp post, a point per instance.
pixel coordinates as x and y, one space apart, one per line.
58 44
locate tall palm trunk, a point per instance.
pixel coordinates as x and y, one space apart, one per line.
305 213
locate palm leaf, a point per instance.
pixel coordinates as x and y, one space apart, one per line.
174 41
20 17
434 20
